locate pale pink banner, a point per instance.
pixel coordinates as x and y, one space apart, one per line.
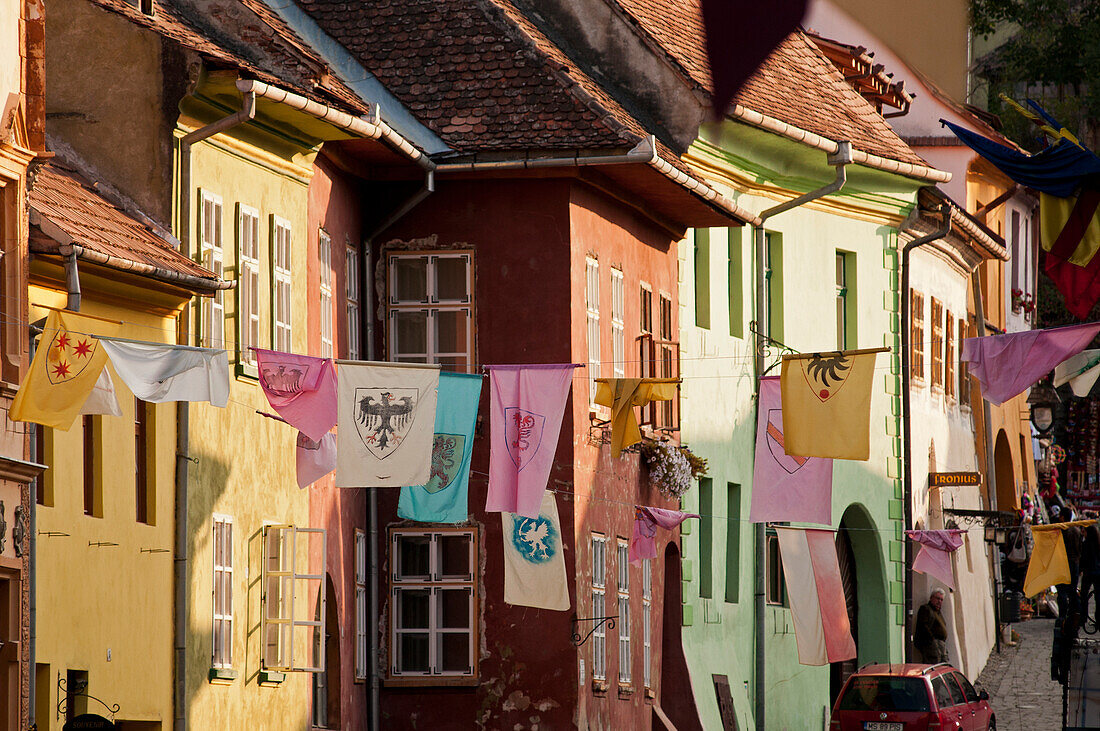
936 548
313 460
815 592
643 543
526 403
786 488
301 388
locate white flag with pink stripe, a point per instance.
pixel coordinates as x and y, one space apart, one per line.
816 595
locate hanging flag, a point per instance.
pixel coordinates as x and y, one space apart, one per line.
816 595
1006 365
826 404
621 395
313 460
102 400
442 499
526 403
301 388
159 373
64 372
786 488
1048 565
534 559
1079 371
1070 237
386 424
643 543
936 547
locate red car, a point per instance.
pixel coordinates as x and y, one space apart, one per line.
911 697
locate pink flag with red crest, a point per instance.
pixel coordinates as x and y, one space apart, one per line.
527 404
301 388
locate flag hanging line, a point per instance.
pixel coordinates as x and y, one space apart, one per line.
504 366
82 314
149 342
387 364
862 351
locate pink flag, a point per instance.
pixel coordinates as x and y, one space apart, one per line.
1007 364
784 487
527 403
822 631
936 548
314 460
301 388
646 521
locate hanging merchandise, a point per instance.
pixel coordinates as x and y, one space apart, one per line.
64 372
936 547
160 373
301 388
313 460
826 404
102 400
784 487
647 520
1007 364
621 395
1079 371
386 423
1049 565
526 405
534 562
811 570
443 498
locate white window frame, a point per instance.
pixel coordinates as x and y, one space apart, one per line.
221 649
352 303
599 606
248 283
434 582
324 286
284 590
622 624
647 622
211 256
361 638
618 325
282 248
431 306
592 316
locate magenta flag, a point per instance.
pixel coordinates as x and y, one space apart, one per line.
1007 364
785 487
643 543
301 388
936 547
313 460
527 403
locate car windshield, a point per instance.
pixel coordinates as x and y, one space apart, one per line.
884 693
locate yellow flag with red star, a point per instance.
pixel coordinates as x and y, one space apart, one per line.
65 369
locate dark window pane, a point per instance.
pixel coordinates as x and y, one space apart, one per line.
454 553
412 652
412 608
454 652
957 696
942 693
968 689
413 556
410 279
454 608
450 279
883 693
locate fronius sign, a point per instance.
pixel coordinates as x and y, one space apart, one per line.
954 479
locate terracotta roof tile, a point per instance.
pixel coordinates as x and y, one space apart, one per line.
69 201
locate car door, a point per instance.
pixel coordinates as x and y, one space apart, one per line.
961 707
980 712
951 716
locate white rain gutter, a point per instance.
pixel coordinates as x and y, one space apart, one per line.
771 124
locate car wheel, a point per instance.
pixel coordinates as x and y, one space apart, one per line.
992 725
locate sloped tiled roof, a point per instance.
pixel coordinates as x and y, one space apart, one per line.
69 201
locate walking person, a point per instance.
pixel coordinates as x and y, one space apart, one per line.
930 633
1090 573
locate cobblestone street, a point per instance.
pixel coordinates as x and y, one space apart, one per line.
1018 680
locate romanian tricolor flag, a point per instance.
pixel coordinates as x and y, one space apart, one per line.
66 367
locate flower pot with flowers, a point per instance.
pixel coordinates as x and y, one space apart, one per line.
1023 303
672 468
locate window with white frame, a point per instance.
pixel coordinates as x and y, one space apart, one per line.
291 628
430 306
360 605
223 593
592 309
647 622
280 284
599 606
324 265
433 604
623 622
248 283
351 297
212 309
618 335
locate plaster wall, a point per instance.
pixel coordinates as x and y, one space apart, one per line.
11 49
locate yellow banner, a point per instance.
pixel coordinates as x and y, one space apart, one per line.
621 395
1048 565
1053 215
64 371
827 404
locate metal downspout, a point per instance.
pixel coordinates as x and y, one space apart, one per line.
840 159
183 458
72 281
906 416
375 680
32 569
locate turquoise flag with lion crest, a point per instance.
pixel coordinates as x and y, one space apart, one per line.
443 498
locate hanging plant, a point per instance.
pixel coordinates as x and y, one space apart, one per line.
672 469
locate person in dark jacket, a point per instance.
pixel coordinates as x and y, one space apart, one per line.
930 633
1068 600
1090 572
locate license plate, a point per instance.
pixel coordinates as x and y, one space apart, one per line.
883 726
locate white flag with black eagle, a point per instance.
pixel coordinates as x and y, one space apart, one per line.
385 424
